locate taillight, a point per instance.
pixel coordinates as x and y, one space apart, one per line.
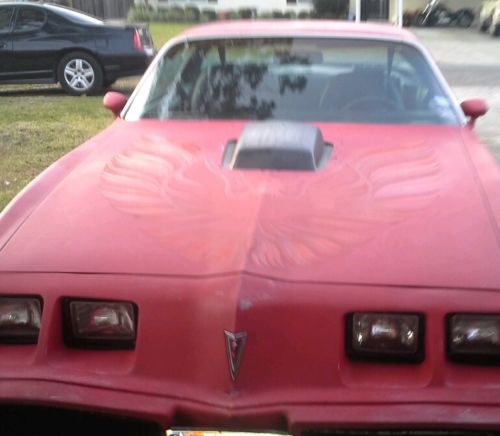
20 319
474 338
137 40
99 324
390 337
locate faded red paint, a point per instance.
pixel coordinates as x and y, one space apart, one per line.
403 218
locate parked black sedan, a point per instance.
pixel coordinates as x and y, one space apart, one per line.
44 43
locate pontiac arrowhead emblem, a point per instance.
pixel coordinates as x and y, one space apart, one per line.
235 344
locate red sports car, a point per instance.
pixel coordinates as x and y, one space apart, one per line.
290 227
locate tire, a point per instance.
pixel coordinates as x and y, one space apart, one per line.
109 83
483 27
79 73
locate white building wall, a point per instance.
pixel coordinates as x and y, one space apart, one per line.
281 5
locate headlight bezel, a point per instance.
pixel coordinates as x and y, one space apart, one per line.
466 356
72 339
29 337
384 356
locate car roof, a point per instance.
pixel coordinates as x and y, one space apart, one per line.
297 28
37 4
24 3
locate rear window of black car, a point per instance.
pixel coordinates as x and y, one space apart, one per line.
298 79
29 19
75 16
5 18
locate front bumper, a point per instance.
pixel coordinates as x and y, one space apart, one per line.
294 376
164 413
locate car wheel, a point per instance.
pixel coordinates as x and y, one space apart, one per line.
79 73
483 26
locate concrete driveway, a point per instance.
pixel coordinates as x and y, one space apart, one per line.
470 61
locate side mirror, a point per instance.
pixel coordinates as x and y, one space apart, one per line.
474 109
115 102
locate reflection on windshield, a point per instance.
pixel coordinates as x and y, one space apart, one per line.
294 79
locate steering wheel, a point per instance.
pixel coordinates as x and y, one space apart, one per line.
372 102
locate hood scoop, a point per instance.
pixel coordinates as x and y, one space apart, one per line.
278 145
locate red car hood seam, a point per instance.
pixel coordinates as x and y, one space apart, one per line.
254 275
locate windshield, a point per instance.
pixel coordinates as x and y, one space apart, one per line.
75 16
294 79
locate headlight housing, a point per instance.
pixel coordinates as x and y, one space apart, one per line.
474 338
20 319
385 337
99 324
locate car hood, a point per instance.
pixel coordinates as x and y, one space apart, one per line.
395 205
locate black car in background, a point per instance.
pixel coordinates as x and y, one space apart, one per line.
46 43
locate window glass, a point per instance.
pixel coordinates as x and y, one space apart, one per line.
75 16
29 19
361 81
418 95
5 18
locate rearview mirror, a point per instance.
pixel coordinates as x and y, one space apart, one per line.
115 102
474 109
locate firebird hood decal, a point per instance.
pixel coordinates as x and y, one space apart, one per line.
268 218
395 205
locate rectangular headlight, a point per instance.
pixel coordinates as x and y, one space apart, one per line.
100 324
385 337
474 338
20 319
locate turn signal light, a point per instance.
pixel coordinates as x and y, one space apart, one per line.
100 324
386 337
474 338
20 320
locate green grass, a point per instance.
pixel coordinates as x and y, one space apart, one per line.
162 32
39 123
35 130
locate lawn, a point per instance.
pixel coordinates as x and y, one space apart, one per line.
39 123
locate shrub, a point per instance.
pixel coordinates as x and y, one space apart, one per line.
278 14
245 13
265 15
160 15
192 14
304 15
176 14
208 15
232 15
330 8
139 13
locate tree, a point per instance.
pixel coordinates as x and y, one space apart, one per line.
331 8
